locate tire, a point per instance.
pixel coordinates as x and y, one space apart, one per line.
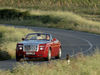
59 54
49 55
18 58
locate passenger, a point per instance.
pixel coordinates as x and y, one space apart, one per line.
39 38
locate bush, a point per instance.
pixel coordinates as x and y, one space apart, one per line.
12 14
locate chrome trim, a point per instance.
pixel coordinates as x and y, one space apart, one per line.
30 48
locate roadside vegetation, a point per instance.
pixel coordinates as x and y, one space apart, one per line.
81 65
9 36
55 19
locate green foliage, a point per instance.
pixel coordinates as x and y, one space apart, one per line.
12 14
55 19
86 6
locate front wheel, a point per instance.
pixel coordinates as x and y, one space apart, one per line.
59 54
49 55
18 58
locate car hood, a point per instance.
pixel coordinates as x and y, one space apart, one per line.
36 42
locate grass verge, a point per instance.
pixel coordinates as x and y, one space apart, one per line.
9 36
83 65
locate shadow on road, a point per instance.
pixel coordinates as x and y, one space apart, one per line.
4 55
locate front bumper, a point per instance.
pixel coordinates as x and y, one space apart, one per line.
39 54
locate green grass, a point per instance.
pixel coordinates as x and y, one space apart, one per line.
81 7
9 36
55 19
83 65
71 5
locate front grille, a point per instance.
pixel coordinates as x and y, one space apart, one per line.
30 48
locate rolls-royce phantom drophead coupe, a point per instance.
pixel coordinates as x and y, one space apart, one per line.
38 45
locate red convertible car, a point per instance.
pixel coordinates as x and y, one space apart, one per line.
38 45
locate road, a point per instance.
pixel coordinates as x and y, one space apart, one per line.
73 42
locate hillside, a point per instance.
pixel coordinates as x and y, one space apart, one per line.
55 19
70 5
86 8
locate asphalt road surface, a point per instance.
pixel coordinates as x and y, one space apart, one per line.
73 42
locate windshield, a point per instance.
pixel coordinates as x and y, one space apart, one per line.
38 37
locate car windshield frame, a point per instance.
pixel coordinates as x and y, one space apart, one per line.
37 34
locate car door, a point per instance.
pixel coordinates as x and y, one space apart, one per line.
56 49
53 49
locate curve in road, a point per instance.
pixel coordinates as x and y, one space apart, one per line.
73 42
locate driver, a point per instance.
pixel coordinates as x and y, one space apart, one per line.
47 37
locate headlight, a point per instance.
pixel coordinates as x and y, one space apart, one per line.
20 47
42 46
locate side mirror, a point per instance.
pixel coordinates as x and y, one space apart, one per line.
54 39
23 39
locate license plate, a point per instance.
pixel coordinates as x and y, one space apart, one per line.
30 53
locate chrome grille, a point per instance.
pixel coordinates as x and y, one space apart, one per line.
30 47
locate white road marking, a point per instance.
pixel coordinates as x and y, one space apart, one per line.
90 44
